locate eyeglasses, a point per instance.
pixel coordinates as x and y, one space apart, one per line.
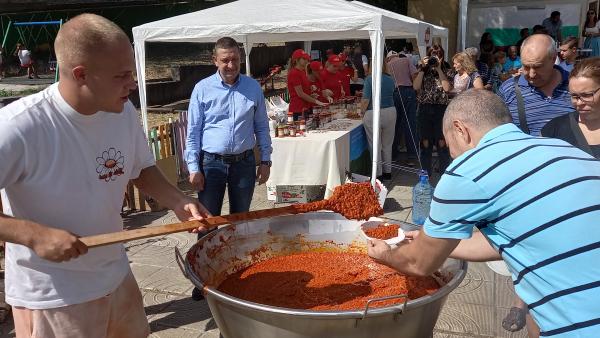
584 97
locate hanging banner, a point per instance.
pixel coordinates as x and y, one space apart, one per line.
424 35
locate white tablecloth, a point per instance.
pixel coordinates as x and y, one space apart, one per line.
315 159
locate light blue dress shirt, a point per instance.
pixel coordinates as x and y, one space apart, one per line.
226 119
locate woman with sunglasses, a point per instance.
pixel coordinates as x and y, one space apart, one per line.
581 128
591 31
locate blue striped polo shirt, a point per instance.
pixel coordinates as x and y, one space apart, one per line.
539 108
537 201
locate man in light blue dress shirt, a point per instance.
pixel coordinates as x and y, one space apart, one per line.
227 118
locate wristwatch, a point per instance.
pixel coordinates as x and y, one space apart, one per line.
267 163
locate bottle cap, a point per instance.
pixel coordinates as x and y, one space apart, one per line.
423 176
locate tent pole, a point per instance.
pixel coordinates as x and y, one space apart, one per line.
247 49
376 70
140 65
462 26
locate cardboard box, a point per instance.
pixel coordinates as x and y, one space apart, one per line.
299 193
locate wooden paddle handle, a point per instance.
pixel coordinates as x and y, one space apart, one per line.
209 223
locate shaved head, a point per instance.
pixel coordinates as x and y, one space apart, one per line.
539 43
84 37
481 109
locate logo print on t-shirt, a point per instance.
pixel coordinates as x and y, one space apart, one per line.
110 165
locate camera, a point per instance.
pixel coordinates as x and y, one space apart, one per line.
432 62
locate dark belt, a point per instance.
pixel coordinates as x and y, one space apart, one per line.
230 158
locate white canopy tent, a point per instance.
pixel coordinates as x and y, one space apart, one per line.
261 21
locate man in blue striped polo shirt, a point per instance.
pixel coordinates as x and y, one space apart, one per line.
542 85
535 201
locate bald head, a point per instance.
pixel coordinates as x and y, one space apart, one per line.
482 110
84 37
539 43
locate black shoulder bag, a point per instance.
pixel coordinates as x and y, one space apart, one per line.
520 106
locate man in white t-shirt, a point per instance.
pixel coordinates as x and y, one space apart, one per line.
66 155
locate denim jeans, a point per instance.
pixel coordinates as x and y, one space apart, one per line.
405 100
238 177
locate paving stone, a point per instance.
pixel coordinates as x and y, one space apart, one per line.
154 255
212 334
181 240
156 302
472 291
481 269
143 271
137 245
441 334
186 313
505 295
478 320
167 280
159 331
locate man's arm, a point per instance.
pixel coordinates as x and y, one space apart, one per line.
52 244
449 223
476 249
193 141
261 130
421 257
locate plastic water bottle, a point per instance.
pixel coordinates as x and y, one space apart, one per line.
422 195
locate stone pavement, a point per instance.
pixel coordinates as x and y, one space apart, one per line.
474 309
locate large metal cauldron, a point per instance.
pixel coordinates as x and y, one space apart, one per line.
230 248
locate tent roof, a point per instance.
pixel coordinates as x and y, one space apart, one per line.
282 20
436 30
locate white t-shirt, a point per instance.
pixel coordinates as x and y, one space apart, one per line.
24 57
68 171
595 29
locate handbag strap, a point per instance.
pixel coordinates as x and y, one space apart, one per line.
520 106
579 137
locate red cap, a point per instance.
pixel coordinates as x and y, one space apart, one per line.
334 60
343 57
329 52
316 66
300 54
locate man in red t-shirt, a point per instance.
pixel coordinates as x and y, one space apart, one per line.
332 78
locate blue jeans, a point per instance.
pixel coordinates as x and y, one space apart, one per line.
405 100
238 177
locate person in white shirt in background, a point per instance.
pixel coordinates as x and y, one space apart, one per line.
26 60
66 156
361 63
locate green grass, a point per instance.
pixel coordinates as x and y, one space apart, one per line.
7 93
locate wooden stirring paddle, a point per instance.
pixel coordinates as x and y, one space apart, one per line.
352 200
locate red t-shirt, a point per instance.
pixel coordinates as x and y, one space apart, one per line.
333 82
316 87
296 77
348 73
